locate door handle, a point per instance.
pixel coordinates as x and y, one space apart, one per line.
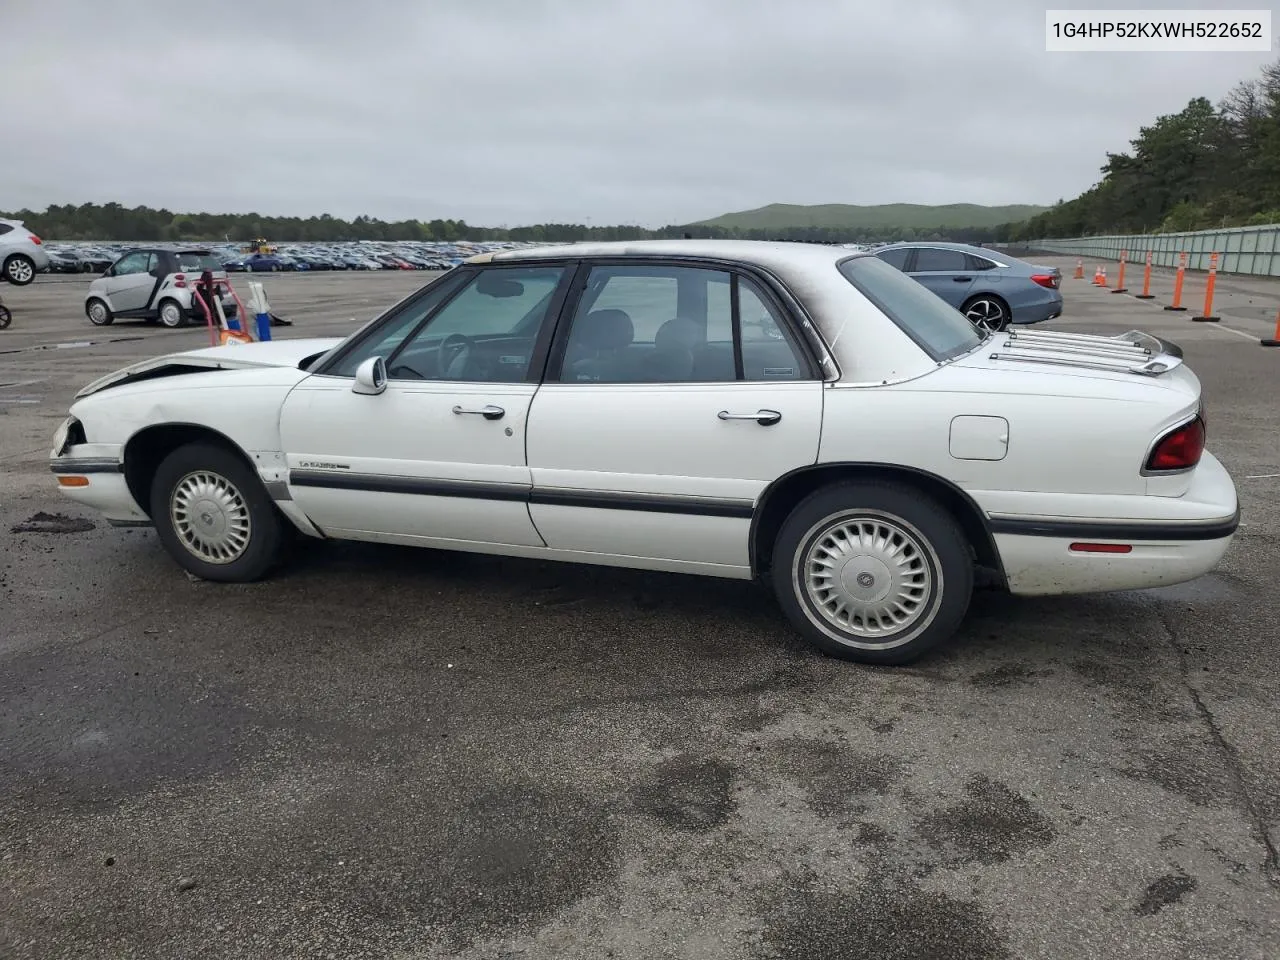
488 411
766 418
962 279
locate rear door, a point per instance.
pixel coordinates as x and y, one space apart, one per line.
676 393
945 271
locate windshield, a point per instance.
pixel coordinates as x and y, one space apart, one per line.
940 329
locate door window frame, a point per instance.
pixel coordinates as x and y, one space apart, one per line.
455 281
766 286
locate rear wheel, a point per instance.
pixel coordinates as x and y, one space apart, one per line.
987 313
6 317
98 312
19 270
171 314
213 515
873 573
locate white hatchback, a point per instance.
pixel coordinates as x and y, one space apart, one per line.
154 284
796 413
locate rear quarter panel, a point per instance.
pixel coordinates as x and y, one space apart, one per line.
1067 447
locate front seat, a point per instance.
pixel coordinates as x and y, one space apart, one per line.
597 347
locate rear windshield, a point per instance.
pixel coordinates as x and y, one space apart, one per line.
194 261
940 329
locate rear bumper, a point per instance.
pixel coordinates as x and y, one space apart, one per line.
1038 311
1169 540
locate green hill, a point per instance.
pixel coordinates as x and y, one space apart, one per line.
847 216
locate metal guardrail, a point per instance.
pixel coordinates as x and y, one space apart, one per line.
1246 250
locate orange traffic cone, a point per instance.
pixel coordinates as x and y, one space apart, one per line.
1097 275
1079 270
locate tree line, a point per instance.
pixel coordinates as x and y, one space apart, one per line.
112 221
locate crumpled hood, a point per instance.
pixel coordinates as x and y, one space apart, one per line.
272 353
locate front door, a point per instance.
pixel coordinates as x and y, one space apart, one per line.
944 271
676 395
439 456
129 282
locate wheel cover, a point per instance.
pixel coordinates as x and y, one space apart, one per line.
20 270
869 579
986 314
210 517
97 311
170 315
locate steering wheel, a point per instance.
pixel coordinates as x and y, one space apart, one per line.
402 371
454 351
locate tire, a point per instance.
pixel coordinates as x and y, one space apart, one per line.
227 494
98 312
987 312
6 318
932 571
19 270
170 314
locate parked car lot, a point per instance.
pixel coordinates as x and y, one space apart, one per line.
342 760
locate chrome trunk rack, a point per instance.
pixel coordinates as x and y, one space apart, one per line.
1133 352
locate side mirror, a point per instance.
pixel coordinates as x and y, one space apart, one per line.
371 377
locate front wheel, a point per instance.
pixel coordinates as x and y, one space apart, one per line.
98 312
19 270
6 318
213 515
990 314
873 573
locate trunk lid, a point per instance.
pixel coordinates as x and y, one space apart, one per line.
1130 357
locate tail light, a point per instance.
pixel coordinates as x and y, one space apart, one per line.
36 240
1049 280
1179 449
180 280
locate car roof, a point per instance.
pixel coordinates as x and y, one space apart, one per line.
943 244
782 255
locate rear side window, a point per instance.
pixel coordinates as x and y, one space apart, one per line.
5 228
940 329
195 262
937 260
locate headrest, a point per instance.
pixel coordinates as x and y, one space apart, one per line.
678 332
606 330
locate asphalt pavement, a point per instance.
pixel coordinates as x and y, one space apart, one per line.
389 752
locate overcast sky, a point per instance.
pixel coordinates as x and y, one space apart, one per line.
600 111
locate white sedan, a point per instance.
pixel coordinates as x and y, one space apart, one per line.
795 413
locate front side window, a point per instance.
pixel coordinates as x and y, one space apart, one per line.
940 329
896 257
484 332
131 263
653 323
